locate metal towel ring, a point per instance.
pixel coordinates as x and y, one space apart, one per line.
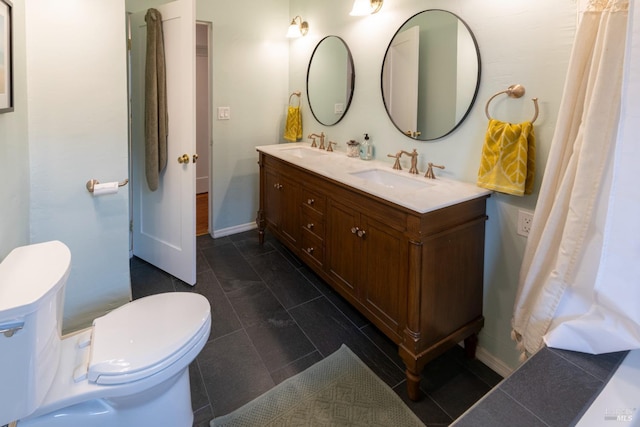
513 91
296 94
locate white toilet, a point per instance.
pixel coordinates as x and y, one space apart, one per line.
129 369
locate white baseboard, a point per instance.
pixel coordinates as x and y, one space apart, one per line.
234 230
492 362
202 184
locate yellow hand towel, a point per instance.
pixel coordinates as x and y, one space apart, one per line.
508 158
293 127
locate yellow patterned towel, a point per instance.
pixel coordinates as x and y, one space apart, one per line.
293 127
508 158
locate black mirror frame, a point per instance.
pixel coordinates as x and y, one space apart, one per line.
475 94
351 89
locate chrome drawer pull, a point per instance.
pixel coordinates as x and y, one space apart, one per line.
311 201
310 250
310 226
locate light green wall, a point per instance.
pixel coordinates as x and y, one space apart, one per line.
77 130
14 150
69 125
250 75
528 43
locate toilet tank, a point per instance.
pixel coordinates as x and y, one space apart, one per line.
32 280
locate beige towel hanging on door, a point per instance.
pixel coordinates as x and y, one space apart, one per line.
155 101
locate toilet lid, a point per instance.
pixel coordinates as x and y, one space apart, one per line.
146 335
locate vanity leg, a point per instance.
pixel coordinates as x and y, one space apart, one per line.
413 385
470 346
260 222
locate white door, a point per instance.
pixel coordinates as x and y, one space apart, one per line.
164 231
400 80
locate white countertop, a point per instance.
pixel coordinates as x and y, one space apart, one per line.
414 192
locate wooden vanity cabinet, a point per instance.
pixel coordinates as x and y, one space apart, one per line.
417 277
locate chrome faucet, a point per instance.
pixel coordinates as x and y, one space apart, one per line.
313 137
414 160
429 174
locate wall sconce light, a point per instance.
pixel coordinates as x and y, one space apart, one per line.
297 28
365 7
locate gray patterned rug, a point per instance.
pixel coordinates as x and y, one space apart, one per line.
340 390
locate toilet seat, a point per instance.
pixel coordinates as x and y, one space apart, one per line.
145 336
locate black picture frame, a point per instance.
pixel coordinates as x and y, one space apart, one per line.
6 56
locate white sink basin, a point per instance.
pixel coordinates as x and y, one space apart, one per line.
392 180
303 153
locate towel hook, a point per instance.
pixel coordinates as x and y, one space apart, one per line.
296 94
513 91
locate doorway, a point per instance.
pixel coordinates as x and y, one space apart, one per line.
203 127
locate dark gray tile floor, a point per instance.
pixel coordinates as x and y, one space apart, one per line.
272 317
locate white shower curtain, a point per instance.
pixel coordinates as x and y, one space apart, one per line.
573 293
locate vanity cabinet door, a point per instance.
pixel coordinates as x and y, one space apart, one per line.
343 246
368 260
281 205
384 275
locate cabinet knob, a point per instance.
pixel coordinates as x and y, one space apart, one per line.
362 233
310 225
354 230
311 201
277 186
310 250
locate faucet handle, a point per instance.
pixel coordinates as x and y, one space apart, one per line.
430 173
313 140
396 164
330 146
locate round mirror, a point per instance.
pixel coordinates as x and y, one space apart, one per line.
330 79
430 75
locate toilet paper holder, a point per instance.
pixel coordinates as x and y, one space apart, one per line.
92 182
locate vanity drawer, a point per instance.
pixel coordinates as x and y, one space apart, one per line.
312 247
313 221
313 200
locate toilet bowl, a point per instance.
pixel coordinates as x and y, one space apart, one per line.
130 368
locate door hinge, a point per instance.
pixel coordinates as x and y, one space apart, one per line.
128 44
131 226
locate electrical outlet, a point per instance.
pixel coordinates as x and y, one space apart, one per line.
525 219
